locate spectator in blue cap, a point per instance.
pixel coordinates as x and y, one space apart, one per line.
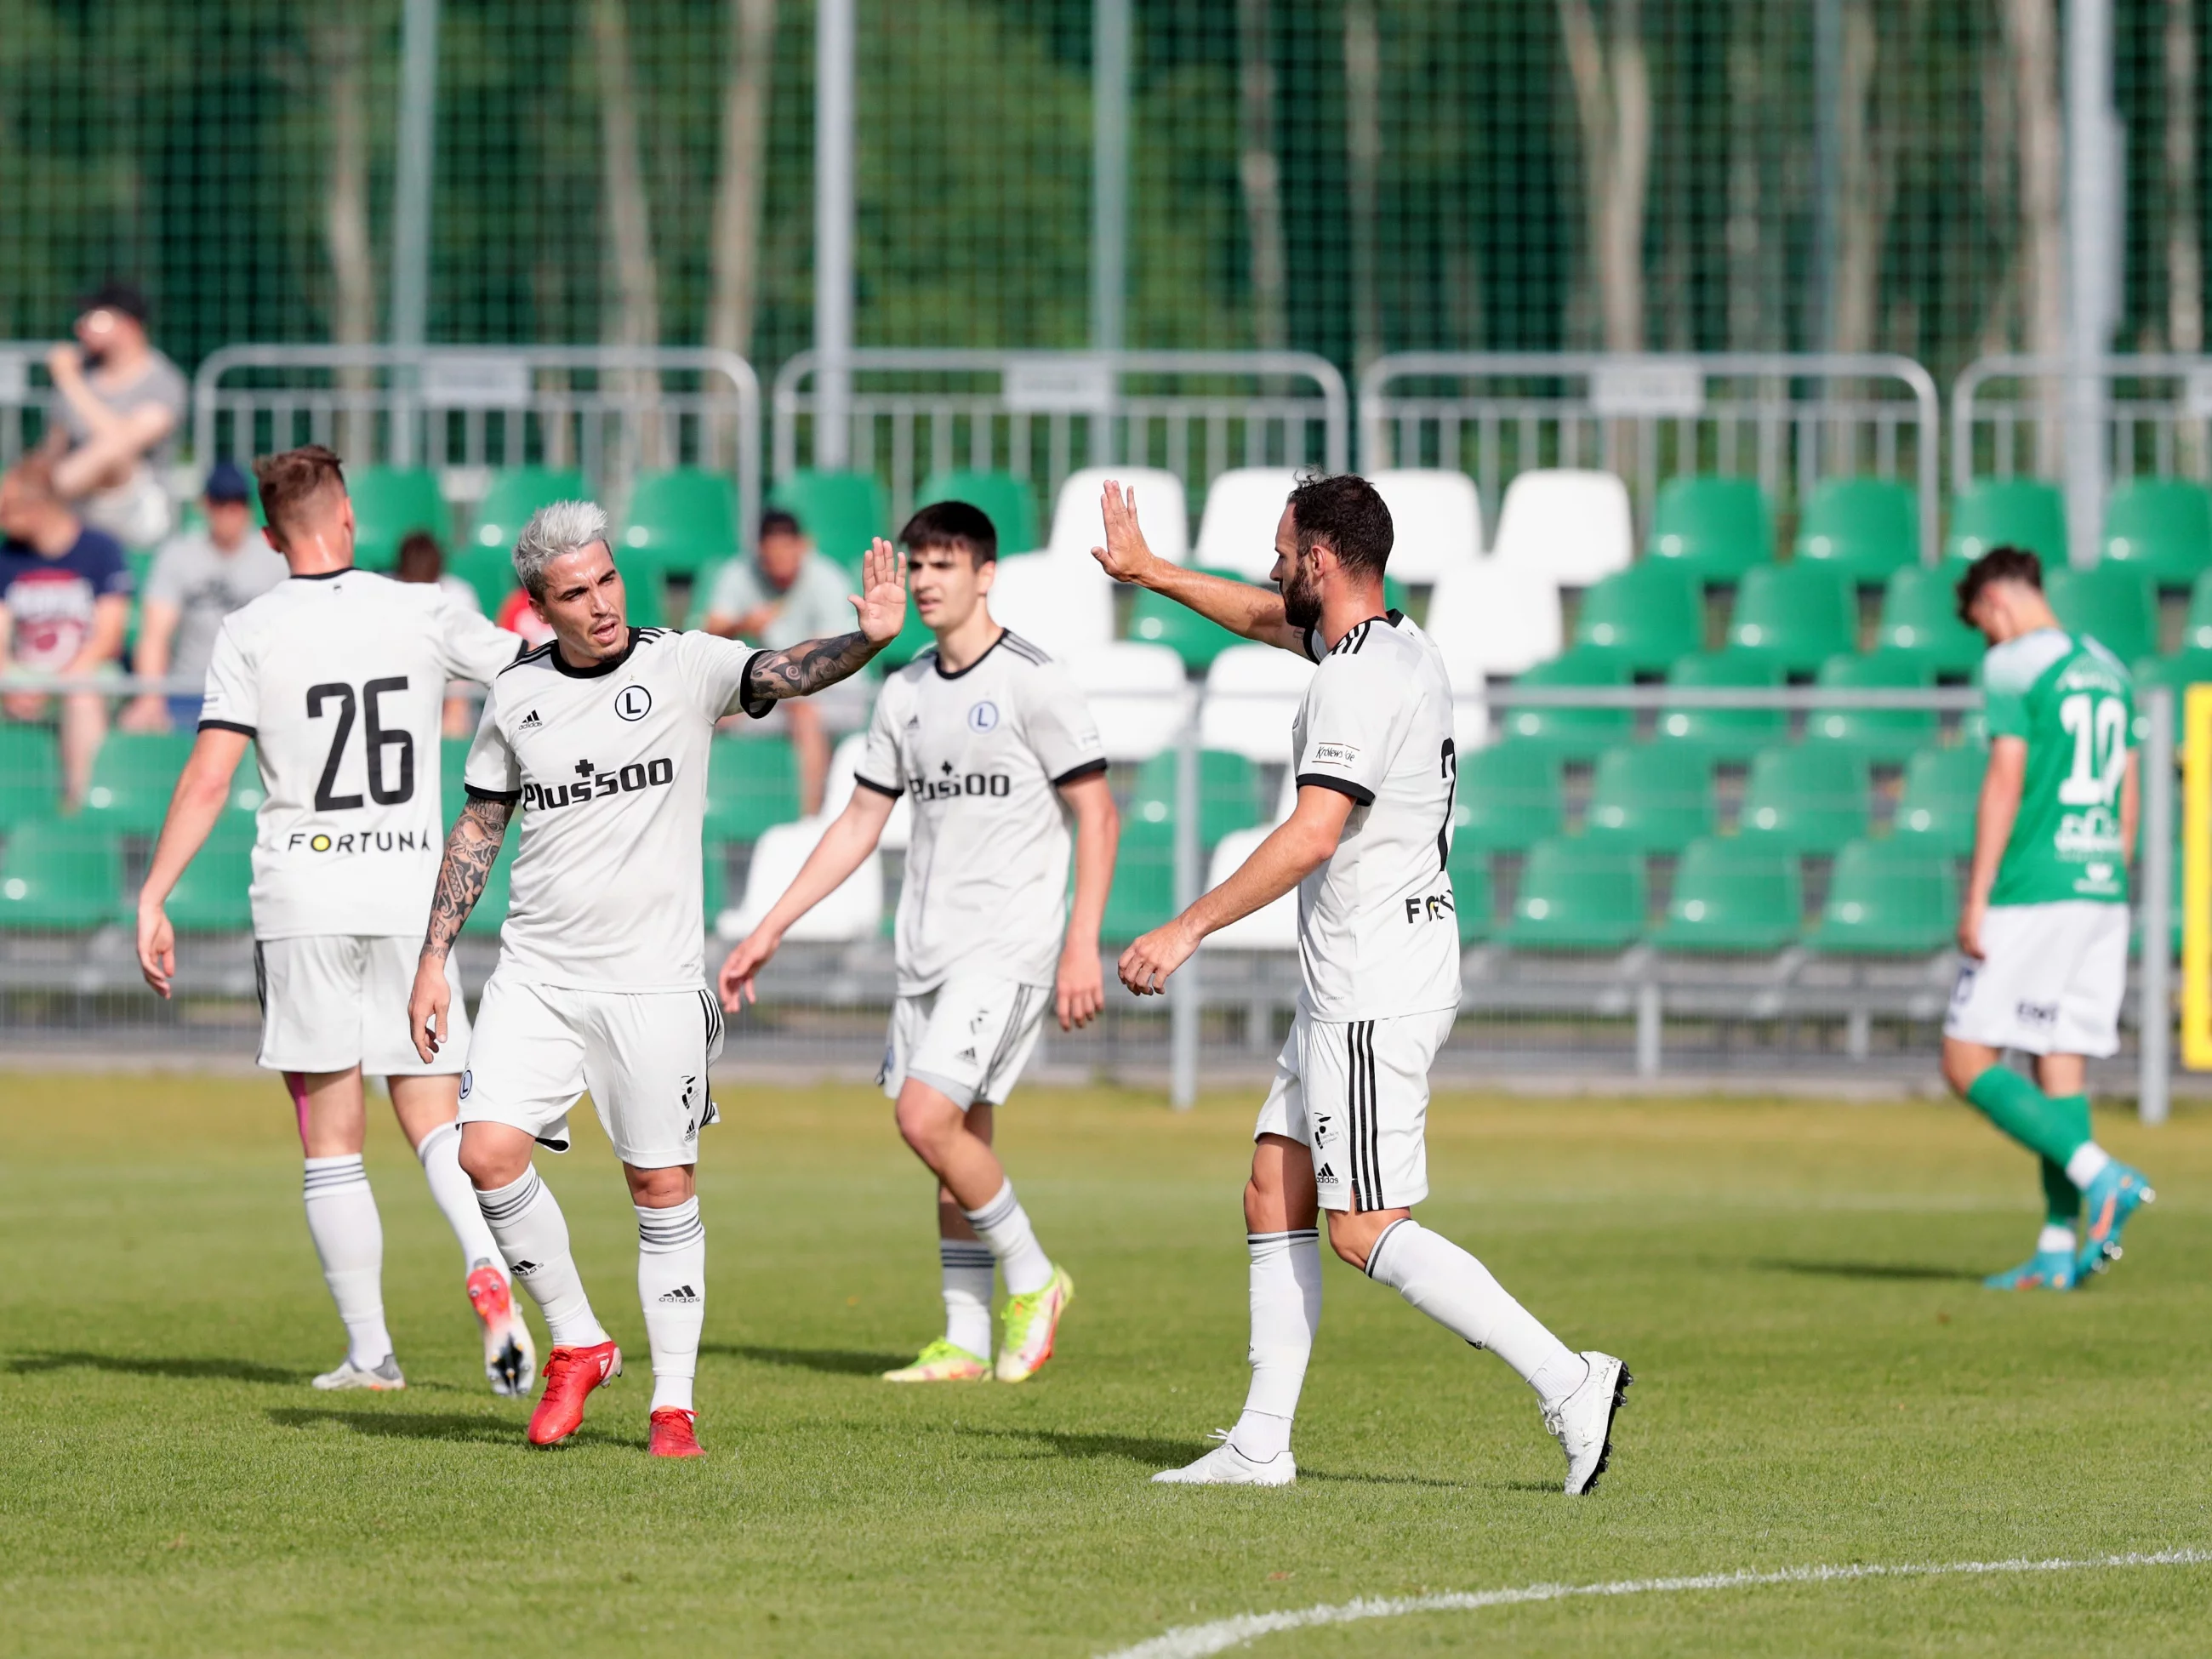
199 578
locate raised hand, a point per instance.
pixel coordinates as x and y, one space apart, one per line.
881 603
1125 554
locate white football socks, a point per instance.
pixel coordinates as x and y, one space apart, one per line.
671 1284
456 1198
1005 1226
2088 1163
967 1264
2054 1237
1285 1314
533 1240
348 1236
1457 1291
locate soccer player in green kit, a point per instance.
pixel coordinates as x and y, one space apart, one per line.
2044 926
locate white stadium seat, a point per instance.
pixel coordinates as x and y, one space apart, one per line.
837 789
1138 693
1491 617
1436 518
1252 694
1272 927
1237 531
1065 605
1077 525
1573 526
853 912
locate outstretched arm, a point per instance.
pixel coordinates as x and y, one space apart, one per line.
809 666
1254 612
471 851
851 836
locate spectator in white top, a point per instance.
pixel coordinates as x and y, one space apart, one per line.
199 578
423 561
786 594
118 407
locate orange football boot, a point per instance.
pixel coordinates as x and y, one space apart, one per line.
673 1435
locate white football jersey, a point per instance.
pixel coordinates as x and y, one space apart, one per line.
1377 931
340 680
984 753
608 769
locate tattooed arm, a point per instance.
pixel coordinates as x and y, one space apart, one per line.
771 676
470 851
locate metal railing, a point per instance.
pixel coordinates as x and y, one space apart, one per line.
1789 420
26 397
612 411
1042 415
2010 415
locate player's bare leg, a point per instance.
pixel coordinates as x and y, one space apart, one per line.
671 1287
968 1269
533 1235
426 1108
342 1219
1037 1292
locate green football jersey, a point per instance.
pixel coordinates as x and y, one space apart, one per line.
2071 701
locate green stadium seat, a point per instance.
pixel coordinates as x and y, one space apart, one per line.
60 878
30 774
1229 797
1865 529
1724 734
1005 501
1726 899
517 493
490 911
2177 673
1713 529
1507 799
133 776
841 512
1155 620
1942 792
2163 526
1576 896
1472 898
1886 736
752 785
1799 615
1920 614
714 880
1650 798
211 896
1647 614
1886 899
1804 797
2113 604
389 503
1573 734
1143 894
645 588
2009 512
683 519
2196 632
453 767
489 571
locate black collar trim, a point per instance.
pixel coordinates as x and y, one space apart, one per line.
943 674
597 671
326 575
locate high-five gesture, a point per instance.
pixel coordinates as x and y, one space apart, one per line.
1125 554
881 603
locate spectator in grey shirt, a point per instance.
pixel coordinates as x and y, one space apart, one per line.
198 580
118 407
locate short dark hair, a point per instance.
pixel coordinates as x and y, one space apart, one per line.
1347 514
292 479
953 524
420 559
116 295
1999 564
777 522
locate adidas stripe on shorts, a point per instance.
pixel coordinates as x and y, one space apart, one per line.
968 1039
1357 1093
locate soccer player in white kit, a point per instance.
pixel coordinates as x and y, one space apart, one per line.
997 749
335 678
598 738
1367 848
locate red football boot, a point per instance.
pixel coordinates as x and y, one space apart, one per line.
571 1373
673 1435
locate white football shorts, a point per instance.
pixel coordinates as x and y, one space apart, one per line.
1357 1093
332 1001
968 1039
643 1055
2050 981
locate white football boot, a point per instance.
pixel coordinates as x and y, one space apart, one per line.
1583 1422
383 1378
1225 1466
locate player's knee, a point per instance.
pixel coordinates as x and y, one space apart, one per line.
928 1121
488 1165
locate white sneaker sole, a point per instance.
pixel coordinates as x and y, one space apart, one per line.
1614 1397
1233 1470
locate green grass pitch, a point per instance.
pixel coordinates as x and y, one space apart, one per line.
1821 1380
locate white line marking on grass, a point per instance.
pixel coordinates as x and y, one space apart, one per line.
1193 1641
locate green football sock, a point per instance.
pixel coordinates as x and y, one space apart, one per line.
2061 1199
2054 1128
